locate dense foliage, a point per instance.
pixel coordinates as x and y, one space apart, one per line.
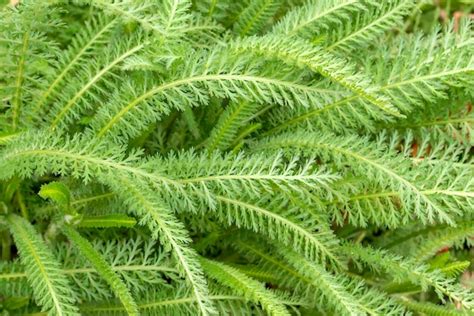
282 157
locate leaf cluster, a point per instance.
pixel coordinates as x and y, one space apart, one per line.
264 157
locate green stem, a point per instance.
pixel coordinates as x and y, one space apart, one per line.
6 246
21 204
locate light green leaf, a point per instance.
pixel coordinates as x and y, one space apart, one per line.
57 192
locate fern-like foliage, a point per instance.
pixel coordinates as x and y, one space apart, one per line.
245 286
313 17
255 15
51 289
267 157
103 268
366 26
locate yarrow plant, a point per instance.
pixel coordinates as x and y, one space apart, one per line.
280 157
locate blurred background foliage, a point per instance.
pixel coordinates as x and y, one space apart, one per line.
427 15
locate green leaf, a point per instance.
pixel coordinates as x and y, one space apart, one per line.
57 192
242 284
51 288
13 303
110 220
104 269
427 308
